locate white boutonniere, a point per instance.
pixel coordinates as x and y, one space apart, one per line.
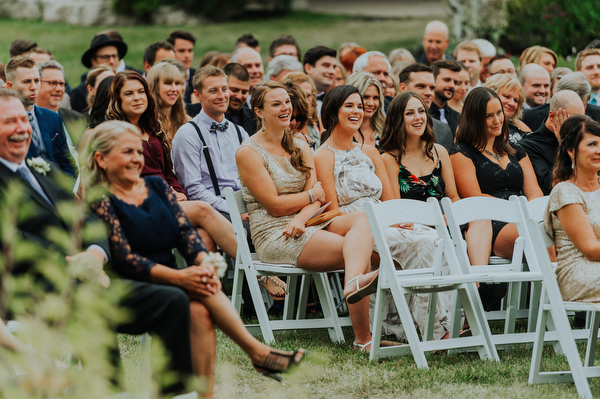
217 260
39 165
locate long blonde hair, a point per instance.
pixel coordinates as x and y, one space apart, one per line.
167 73
102 139
362 81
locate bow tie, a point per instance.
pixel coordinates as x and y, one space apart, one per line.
219 126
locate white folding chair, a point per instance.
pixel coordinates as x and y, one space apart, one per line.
248 265
431 280
471 209
553 309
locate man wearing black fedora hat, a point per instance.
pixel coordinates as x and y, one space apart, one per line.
104 50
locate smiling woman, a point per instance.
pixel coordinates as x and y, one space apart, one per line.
485 164
281 192
372 95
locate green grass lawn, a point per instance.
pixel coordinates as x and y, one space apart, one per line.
337 371
68 42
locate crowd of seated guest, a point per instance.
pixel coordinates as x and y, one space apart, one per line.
368 120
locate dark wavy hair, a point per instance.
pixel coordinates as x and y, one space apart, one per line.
100 105
149 122
299 102
472 125
333 101
287 141
571 134
393 138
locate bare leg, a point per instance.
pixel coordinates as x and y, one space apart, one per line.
479 242
204 344
201 214
207 240
505 242
348 244
227 319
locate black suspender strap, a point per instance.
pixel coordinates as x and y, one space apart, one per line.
211 168
237 129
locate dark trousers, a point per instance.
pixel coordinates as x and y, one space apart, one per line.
165 311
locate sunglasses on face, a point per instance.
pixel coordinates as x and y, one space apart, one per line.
298 118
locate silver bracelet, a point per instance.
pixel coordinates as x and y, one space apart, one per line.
312 197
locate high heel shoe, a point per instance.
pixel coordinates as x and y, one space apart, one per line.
279 362
360 292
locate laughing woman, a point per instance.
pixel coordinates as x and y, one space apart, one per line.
281 191
353 174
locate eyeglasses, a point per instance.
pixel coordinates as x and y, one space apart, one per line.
107 57
298 118
54 83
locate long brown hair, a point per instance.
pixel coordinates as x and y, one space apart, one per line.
394 131
148 122
287 141
472 125
571 134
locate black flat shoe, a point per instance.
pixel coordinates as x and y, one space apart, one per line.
278 362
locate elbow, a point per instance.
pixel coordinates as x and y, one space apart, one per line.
591 253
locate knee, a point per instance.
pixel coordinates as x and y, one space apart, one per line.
200 315
360 222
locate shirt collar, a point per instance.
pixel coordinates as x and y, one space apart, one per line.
12 166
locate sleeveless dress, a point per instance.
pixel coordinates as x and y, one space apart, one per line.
421 188
267 230
578 278
356 184
493 179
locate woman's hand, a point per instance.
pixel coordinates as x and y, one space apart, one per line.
318 192
179 196
201 279
295 228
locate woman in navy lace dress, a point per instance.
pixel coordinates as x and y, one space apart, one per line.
145 223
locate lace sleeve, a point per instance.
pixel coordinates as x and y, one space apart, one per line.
190 243
124 260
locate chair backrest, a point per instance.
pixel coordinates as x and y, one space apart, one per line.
536 208
397 211
237 206
471 209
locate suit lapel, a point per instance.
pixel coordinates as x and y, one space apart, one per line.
44 131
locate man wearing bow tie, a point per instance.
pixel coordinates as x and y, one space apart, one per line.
204 149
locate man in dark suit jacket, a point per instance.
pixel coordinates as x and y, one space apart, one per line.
183 43
41 195
49 141
542 145
238 81
577 82
445 75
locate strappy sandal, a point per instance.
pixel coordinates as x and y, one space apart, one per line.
263 280
362 348
364 291
279 362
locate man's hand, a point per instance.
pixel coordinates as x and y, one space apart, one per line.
87 267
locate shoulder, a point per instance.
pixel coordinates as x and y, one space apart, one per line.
371 152
184 133
47 113
464 149
324 155
521 153
248 149
563 194
441 151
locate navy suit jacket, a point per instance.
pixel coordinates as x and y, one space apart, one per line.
51 128
535 117
189 87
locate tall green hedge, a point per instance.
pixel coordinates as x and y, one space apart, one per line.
565 26
218 10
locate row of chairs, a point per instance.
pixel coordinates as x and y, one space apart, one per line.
451 270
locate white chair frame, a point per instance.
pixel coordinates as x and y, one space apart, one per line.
248 265
553 315
431 280
487 208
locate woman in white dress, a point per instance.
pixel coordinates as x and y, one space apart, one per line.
353 174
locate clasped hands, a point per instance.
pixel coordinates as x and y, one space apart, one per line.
200 280
296 226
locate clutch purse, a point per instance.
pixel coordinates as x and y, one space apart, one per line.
323 217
